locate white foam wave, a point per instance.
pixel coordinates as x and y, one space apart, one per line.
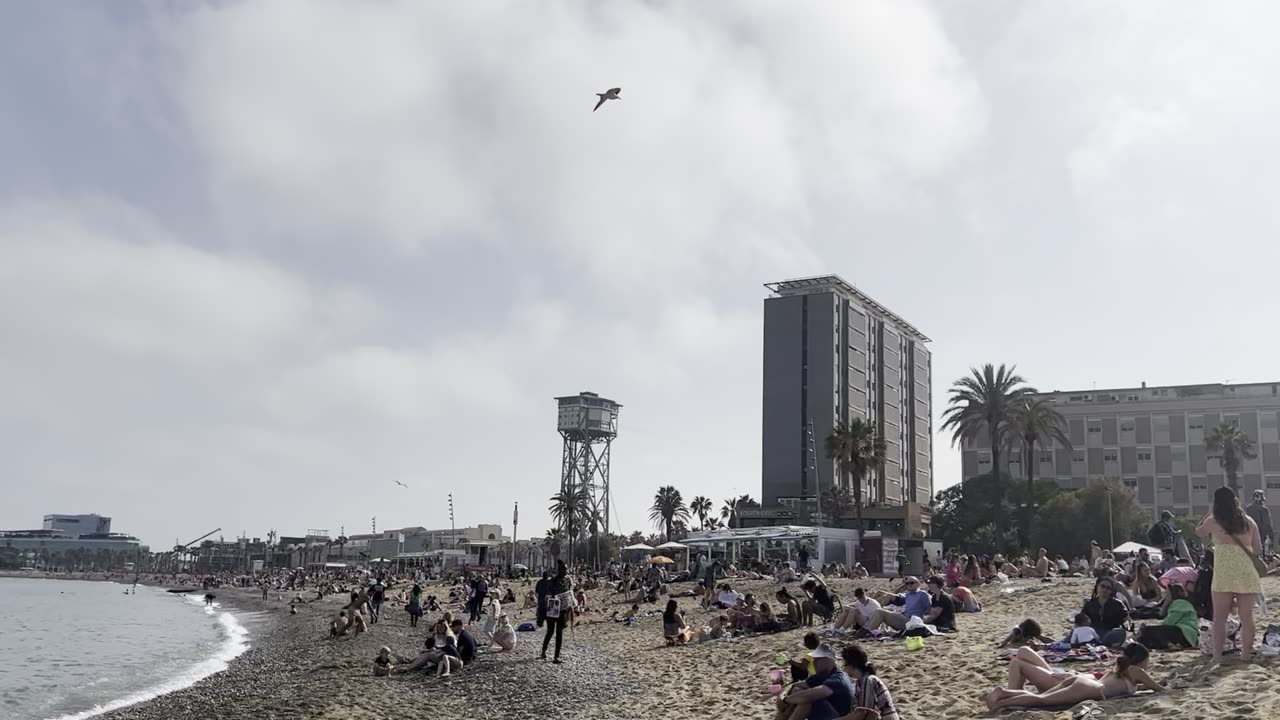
234 644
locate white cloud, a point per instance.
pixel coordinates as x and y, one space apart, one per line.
100 272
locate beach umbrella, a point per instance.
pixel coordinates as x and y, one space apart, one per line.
660 560
639 547
518 566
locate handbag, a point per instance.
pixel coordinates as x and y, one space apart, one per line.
1258 566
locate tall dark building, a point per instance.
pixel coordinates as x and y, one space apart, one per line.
832 354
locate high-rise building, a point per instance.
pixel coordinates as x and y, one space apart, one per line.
832 354
76 525
1152 440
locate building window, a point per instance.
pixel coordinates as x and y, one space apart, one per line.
1144 456
1131 482
1199 484
1095 428
1110 457
1133 398
1195 422
1273 483
1166 484
1126 426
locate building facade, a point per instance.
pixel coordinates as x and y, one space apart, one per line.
1152 440
64 537
832 354
78 525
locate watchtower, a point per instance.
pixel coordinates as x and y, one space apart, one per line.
588 424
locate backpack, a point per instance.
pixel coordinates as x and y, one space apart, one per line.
1155 536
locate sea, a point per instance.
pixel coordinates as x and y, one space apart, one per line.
71 649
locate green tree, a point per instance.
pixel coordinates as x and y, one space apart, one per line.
729 511
981 407
965 515
1100 511
700 506
1230 445
858 450
1034 421
571 511
668 507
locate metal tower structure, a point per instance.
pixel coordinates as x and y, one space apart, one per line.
588 424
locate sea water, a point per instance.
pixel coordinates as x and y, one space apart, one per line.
71 649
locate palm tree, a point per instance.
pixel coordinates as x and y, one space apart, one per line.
701 507
571 510
982 405
668 507
1034 421
1230 445
858 450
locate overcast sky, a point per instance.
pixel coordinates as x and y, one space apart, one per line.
259 260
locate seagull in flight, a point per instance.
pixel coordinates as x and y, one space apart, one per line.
400 484
611 95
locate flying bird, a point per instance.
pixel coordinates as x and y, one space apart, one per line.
611 95
400 484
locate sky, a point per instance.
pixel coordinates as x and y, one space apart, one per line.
261 260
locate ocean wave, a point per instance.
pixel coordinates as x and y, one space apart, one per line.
235 643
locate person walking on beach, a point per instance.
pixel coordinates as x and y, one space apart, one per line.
1261 516
556 608
376 596
415 605
1236 546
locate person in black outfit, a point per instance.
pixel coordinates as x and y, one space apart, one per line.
1107 615
376 596
466 642
942 613
555 606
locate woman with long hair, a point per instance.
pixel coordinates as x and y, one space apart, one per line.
1144 589
871 698
674 629
1059 688
1235 581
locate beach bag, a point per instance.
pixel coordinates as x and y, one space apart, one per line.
1270 641
525 627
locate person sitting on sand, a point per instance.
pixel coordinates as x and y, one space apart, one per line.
717 629
803 668
1065 688
856 613
871 697
966 601
1083 632
1027 633
915 603
727 599
972 575
766 621
1144 588
822 602
1106 614
1180 627
466 644
790 605
674 629
827 694
504 637
382 665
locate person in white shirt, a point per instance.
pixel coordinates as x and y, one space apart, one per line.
1063 567
728 598
855 614
1083 634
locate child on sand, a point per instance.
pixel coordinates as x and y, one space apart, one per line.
803 668
1083 633
1025 634
382 665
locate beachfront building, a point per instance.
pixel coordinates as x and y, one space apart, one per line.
1152 440
67 539
833 354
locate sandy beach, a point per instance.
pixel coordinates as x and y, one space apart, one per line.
293 670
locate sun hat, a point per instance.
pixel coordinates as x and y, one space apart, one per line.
823 651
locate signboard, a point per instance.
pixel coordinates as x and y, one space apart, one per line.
766 513
257 566
889 556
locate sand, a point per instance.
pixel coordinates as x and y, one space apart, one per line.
613 671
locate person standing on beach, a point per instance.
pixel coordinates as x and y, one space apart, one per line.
415 605
1236 545
1261 516
557 610
376 596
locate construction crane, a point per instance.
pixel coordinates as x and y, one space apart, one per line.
181 548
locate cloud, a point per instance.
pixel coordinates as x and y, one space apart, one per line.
99 272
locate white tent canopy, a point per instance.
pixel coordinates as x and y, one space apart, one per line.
639 546
1133 547
673 545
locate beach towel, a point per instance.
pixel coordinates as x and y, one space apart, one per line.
1086 653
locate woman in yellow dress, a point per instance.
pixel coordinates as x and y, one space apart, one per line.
1235 581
